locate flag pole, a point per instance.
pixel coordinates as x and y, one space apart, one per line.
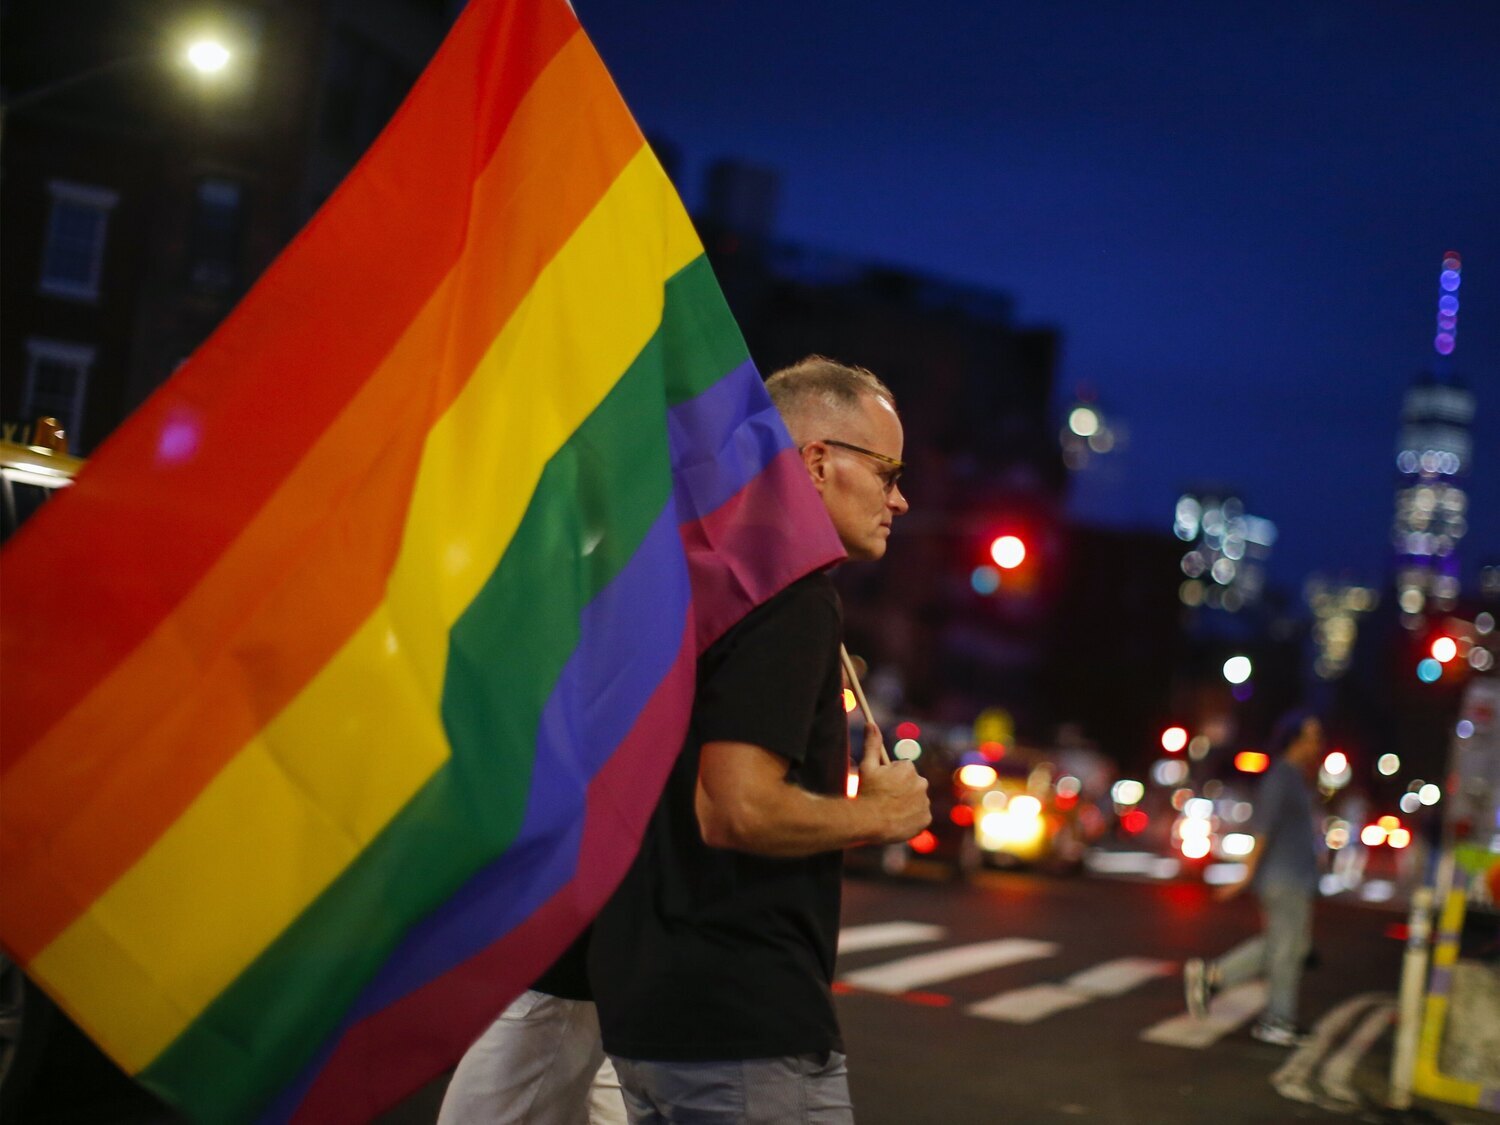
859 695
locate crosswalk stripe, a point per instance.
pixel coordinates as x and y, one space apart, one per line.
1229 1010
945 964
856 939
1113 978
1293 1079
1337 1074
1027 1005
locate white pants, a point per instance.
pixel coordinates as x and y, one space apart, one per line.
540 1063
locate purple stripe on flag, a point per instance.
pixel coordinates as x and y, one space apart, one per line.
720 439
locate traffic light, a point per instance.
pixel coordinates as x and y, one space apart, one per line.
1008 551
1006 564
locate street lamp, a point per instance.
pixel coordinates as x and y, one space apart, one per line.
208 56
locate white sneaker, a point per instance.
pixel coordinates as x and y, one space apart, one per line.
1279 1033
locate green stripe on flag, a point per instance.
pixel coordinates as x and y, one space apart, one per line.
610 480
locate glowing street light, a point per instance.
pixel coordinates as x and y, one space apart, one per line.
1237 669
207 56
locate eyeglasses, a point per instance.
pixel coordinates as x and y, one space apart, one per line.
888 479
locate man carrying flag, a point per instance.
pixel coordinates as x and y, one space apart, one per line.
712 963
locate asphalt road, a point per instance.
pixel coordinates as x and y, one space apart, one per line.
1025 999
1088 1023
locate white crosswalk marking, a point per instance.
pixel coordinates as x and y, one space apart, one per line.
1315 1073
1337 1073
1113 978
945 964
1027 1005
1229 1010
855 939
1294 1078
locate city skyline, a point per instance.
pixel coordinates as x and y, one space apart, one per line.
1236 221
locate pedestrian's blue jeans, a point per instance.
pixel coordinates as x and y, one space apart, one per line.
1278 952
795 1090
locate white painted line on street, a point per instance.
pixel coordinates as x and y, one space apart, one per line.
1027 1005
881 935
1337 1075
1293 1079
1040 1001
1227 1011
1113 978
946 964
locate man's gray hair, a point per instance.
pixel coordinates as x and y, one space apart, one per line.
819 382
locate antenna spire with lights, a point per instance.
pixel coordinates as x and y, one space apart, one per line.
1447 316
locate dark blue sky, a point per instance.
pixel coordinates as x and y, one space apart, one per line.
1234 214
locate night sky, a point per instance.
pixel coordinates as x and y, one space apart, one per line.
1234 214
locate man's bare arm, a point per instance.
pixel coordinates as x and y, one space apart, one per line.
744 802
1252 862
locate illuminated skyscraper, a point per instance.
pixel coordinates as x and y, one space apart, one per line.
1432 459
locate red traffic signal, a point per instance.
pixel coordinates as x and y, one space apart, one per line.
1008 551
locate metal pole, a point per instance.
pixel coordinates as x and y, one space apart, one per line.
1409 1004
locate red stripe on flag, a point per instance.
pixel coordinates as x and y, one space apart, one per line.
735 554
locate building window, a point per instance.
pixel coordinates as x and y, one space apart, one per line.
217 222
57 377
73 257
363 85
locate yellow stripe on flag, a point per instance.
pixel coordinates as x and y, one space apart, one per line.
277 826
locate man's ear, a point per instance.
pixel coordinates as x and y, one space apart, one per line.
815 460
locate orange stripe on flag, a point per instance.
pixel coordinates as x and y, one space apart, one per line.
313 563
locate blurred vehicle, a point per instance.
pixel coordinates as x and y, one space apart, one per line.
1024 808
1003 806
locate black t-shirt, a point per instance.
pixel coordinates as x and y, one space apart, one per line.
567 977
707 954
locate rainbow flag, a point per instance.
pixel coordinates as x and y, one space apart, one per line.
339 689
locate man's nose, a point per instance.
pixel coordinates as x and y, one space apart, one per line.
897 502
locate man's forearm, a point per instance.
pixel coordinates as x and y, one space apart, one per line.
790 822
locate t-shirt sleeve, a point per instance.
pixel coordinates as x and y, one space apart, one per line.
765 689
